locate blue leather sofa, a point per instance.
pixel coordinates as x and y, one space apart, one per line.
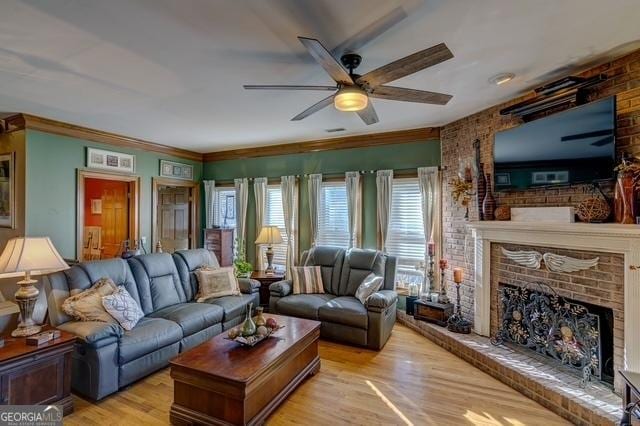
108 358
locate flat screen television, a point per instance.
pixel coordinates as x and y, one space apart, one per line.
572 146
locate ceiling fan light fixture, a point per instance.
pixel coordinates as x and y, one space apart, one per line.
350 98
501 78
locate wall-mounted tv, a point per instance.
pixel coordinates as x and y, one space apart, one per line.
572 146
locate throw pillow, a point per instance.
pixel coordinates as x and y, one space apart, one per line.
369 285
123 308
217 283
87 305
307 280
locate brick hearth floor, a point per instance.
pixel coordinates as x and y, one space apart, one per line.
551 386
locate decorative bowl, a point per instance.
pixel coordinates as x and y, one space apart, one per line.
253 340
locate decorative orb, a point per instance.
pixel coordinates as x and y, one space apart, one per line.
566 332
261 331
593 210
503 213
233 333
517 315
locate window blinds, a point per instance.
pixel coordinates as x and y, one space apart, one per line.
406 238
333 221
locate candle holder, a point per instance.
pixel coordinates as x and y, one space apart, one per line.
443 298
456 322
430 275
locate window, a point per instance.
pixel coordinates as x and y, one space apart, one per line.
333 222
224 207
274 216
405 238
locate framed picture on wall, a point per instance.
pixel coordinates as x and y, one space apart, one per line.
110 160
174 170
96 206
7 195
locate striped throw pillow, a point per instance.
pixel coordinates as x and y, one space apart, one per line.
307 280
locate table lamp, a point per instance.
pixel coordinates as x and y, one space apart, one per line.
269 235
29 256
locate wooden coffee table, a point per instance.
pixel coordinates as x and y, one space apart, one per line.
222 383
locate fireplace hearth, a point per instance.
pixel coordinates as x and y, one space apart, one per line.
575 334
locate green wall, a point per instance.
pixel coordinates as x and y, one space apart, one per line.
399 156
52 164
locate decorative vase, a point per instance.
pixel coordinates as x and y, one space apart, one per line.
481 185
259 318
248 326
625 199
489 203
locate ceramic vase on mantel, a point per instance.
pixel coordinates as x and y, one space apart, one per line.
481 190
489 203
624 200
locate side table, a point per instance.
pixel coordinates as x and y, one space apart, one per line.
265 281
37 374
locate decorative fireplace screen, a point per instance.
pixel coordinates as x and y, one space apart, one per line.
537 318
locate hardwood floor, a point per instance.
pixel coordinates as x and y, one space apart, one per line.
411 381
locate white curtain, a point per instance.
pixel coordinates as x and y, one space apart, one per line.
352 180
260 192
242 197
209 196
315 188
289 208
429 181
384 191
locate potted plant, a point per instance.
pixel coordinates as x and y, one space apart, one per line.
242 267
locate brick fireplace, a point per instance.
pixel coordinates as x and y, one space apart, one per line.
601 286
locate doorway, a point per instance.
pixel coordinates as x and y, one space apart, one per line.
107 214
176 215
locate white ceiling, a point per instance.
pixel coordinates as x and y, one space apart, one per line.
171 71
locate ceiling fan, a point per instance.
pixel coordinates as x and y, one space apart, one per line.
352 91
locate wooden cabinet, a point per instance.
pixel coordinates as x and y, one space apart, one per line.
220 242
37 374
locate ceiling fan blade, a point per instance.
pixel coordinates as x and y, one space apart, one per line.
370 32
406 66
410 95
603 141
314 108
326 61
286 87
368 115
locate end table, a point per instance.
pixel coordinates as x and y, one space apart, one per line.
265 281
37 374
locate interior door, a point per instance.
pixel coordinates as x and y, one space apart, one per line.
115 217
173 218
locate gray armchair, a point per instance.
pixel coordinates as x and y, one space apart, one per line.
344 318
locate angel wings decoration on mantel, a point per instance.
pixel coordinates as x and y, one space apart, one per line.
554 262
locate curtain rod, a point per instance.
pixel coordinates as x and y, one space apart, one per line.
363 172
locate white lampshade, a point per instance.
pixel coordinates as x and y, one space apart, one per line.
35 255
350 98
269 235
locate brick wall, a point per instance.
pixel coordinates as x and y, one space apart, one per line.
457 143
602 285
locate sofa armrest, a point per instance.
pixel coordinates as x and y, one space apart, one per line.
94 333
381 300
248 286
281 288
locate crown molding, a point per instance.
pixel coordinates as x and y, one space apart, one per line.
346 142
28 121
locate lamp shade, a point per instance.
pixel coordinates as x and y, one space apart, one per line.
35 255
269 235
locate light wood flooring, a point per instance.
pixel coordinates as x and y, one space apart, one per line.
412 381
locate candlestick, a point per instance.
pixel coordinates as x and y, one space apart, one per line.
456 322
443 298
431 248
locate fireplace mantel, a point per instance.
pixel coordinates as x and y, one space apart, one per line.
611 238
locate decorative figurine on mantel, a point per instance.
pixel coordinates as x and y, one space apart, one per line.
456 322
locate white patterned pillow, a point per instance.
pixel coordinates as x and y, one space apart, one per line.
369 285
123 308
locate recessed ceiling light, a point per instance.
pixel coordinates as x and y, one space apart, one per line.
501 78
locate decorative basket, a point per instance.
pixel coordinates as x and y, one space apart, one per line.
503 213
251 341
593 210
